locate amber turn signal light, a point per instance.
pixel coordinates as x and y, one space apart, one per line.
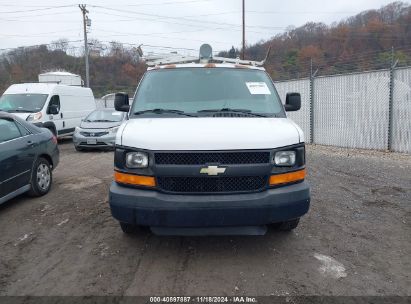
286 178
136 180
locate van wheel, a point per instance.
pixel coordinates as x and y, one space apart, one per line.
289 225
41 178
128 228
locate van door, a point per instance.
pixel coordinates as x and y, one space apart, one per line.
76 108
55 114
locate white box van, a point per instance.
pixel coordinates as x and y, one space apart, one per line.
61 78
57 107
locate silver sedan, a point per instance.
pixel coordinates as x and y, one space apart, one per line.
98 130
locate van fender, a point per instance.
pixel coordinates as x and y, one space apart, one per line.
48 125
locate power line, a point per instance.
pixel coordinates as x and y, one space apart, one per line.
36 15
37 34
178 18
167 3
36 10
142 4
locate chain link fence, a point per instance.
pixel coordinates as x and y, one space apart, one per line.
370 110
105 102
401 111
302 117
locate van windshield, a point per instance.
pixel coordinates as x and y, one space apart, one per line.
28 103
203 91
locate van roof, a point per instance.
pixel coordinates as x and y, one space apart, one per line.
42 88
59 73
206 65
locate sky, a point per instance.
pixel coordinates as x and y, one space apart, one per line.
164 25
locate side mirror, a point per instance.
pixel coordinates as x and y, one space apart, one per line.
53 110
121 102
293 102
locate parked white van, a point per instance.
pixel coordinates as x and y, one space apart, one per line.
208 149
57 107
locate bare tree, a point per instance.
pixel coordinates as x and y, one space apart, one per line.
59 45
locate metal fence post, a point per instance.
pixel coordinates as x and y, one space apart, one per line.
390 104
312 88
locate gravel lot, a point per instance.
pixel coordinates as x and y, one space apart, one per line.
356 239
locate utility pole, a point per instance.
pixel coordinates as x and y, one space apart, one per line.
85 18
243 52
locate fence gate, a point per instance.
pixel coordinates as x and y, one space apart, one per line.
352 110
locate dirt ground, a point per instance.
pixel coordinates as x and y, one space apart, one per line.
356 239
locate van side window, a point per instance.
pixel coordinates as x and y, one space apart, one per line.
8 130
54 102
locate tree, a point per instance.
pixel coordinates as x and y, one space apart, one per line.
60 45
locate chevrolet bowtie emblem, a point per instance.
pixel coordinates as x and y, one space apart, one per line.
212 170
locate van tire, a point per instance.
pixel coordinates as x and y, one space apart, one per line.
41 178
128 228
289 225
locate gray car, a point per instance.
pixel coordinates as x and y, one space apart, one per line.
28 156
98 130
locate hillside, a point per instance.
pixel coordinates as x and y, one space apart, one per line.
367 41
115 70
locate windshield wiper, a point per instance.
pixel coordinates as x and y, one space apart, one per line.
242 111
102 120
162 111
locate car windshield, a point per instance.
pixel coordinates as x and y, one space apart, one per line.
22 102
206 90
105 116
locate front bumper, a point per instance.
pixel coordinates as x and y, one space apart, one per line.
153 208
105 141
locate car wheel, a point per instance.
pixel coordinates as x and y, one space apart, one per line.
78 148
289 225
128 228
41 178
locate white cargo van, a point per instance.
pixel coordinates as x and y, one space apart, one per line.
57 107
208 149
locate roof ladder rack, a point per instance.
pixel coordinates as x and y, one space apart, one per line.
206 56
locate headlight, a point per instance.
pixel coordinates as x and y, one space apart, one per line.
77 130
137 160
34 116
284 158
114 130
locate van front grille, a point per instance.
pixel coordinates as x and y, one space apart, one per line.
203 158
212 184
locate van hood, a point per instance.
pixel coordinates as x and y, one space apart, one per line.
206 133
22 115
